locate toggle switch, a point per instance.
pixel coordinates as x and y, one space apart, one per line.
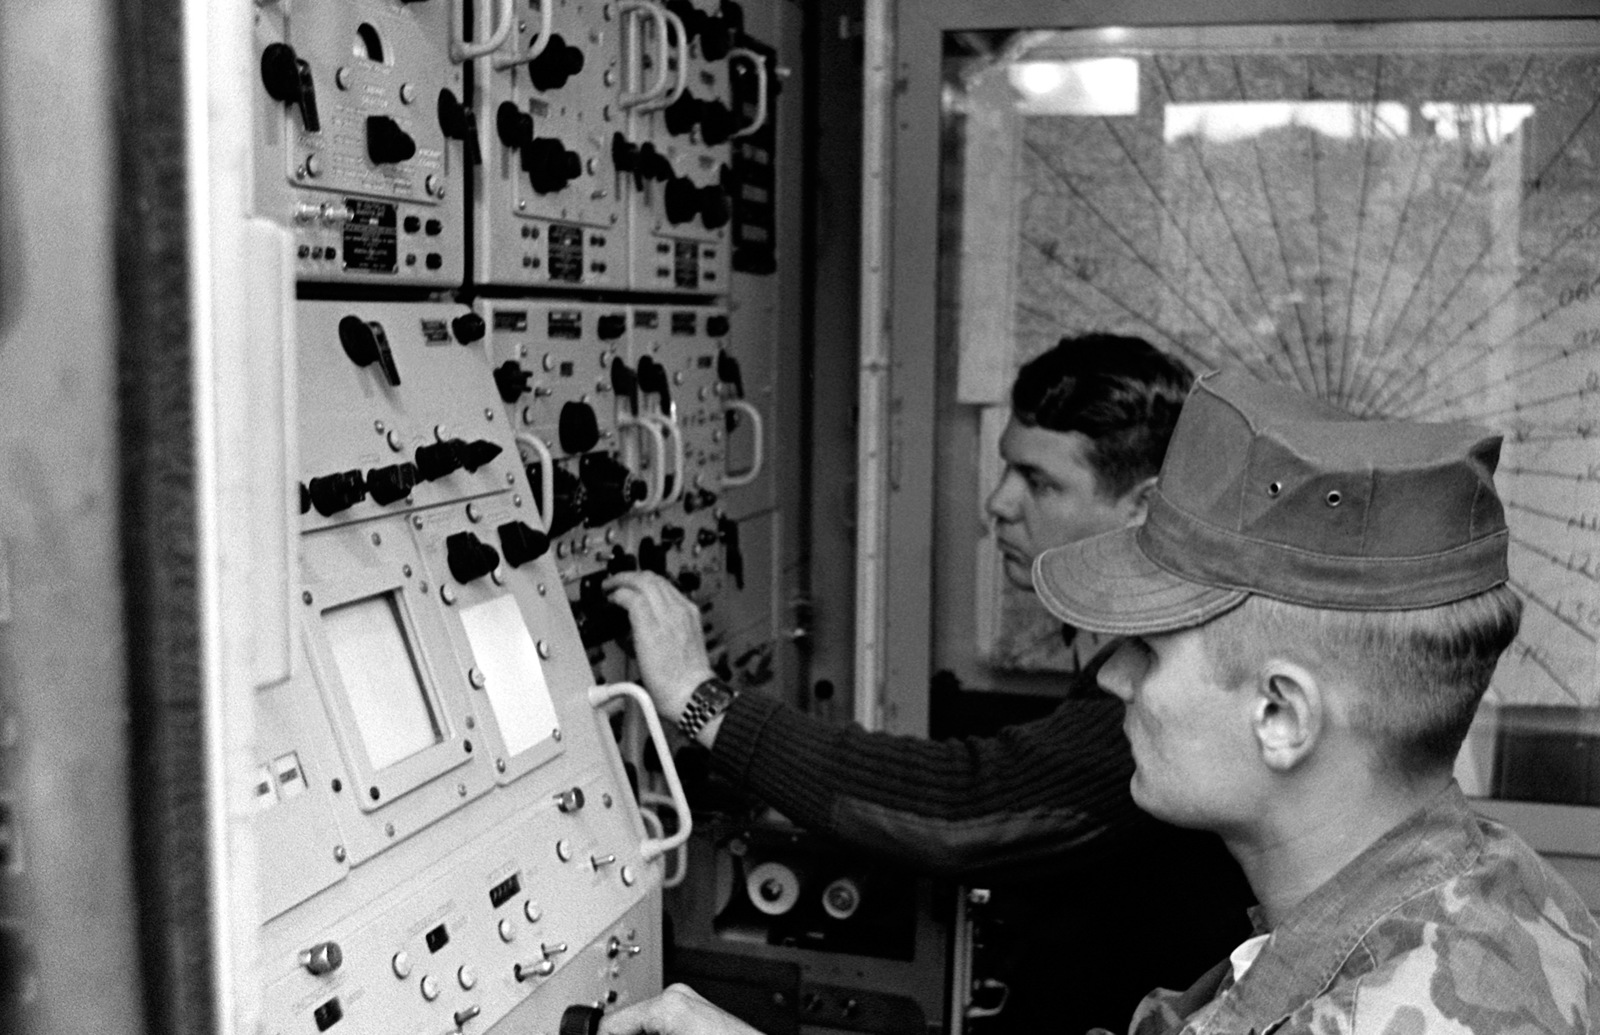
322 958
365 342
387 143
600 862
525 972
570 800
469 557
467 1013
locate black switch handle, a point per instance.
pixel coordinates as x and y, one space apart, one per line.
366 343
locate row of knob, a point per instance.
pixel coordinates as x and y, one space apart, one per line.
330 494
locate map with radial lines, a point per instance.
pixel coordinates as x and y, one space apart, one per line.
1405 220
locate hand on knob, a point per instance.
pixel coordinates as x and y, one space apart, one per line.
679 1010
667 638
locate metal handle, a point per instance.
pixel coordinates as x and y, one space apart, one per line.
760 61
658 486
461 50
547 477
654 11
733 481
652 847
547 11
670 98
669 428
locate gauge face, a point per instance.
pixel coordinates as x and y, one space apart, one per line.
1401 218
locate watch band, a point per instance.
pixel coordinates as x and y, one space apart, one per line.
710 699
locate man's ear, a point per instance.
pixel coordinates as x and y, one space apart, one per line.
1289 714
1135 503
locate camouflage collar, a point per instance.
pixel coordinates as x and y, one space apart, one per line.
1435 844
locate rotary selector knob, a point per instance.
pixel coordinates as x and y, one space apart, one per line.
522 543
468 328
579 428
333 493
512 380
611 326
580 1020
557 63
550 165
365 343
387 143
470 557
391 484
682 200
438 459
714 209
682 114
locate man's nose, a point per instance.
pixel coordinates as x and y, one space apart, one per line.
1002 502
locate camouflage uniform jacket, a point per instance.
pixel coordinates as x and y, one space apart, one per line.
1448 923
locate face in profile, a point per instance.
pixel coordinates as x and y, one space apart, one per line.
1050 495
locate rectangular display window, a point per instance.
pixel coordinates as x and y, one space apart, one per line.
393 711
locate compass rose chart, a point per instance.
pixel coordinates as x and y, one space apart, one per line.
1402 218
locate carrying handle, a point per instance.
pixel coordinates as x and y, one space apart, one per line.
461 50
547 476
547 11
670 97
668 428
760 61
652 847
658 486
733 481
655 12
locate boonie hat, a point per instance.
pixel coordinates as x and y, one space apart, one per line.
1266 490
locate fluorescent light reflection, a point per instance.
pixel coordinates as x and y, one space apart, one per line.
1094 86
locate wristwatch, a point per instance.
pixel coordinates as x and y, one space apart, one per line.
710 699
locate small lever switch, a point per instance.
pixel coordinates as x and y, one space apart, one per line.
322 958
570 800
365 343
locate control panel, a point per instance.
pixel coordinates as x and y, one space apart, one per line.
445 823
363 140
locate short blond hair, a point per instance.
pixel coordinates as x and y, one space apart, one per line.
1420 673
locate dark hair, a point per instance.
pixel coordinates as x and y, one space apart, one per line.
1121 393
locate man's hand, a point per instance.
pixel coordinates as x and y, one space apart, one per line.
679 1010
667 638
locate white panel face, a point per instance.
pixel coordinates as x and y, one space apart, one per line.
513 677
360 139
378 668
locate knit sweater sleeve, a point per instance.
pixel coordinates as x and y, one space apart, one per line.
979 806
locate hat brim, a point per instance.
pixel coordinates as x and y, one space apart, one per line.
1106 584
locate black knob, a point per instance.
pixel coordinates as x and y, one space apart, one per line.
365 342
469 327
478 453
391 484
621 560
550 166
624 154
611 326
469 557
280 73
438 459
682 200
624 382
305 499
557 63
332 493
682 114
728 371
514 126
652 557
653 378
580 1020
706 537
637 490
717 326
672 535
716 123
454 121
689 581
714 208
607 488
653 165
579 429
521 543
732 555
387 142
567 494
512 380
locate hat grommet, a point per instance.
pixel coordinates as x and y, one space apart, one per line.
1335 497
